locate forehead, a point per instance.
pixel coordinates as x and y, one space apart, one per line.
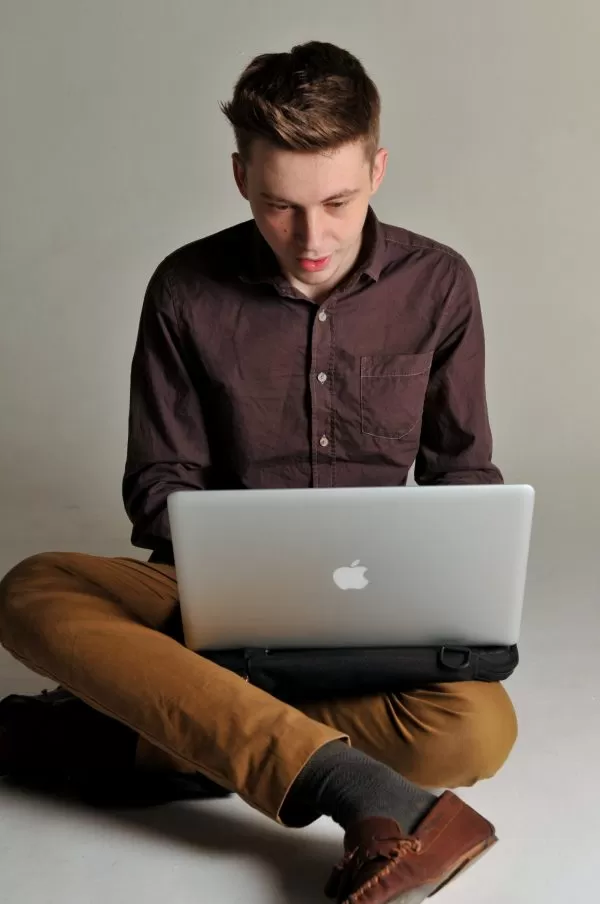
306 176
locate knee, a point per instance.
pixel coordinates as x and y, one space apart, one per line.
19 589
465 733
486 732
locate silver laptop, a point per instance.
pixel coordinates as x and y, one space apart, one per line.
393 566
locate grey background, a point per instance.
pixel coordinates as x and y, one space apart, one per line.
114 152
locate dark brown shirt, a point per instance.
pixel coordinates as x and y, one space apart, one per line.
239 380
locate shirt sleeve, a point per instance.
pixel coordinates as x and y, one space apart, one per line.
167 447
456 439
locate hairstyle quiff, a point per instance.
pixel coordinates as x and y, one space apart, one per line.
315 98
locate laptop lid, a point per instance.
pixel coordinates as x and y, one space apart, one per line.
351 567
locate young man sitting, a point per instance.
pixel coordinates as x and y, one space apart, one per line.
312 346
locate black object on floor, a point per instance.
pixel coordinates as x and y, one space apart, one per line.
56 744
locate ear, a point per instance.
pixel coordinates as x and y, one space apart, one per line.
239 174
379 169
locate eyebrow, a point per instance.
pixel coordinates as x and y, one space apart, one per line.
346 193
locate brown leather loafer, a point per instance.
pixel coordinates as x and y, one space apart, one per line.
383 865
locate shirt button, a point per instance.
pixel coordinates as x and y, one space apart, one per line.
322 316
324 441
322 378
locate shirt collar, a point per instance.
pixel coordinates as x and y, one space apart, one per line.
261 265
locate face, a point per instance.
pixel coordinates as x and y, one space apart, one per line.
311 208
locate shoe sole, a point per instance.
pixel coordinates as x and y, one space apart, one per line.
418 895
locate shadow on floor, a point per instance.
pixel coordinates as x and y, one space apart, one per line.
299 864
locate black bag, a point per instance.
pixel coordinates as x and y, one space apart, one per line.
296 676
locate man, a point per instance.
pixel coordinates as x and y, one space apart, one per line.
310 346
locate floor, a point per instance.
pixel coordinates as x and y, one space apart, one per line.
545 805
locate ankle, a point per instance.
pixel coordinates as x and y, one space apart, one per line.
349 786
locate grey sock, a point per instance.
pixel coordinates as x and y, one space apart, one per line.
348 785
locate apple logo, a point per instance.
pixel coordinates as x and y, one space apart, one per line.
351 577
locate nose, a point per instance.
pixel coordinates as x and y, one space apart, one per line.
308 231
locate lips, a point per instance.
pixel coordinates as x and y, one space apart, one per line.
313 265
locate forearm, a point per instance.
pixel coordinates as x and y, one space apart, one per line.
484 474
145 494
167 448
456 438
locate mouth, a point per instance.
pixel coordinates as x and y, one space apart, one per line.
313 265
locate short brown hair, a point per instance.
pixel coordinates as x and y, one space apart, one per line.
317 97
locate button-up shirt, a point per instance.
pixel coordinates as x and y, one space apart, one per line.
240 380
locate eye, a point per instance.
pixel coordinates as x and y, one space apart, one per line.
279 206
337 204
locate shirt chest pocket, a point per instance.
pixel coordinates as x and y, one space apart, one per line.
392 393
